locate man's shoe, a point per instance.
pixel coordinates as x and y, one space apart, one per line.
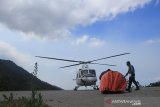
128 90
137 89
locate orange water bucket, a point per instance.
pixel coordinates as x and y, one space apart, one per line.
112 81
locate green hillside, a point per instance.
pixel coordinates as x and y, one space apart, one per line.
15 78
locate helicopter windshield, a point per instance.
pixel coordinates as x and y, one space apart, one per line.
92 71
89 73
84 72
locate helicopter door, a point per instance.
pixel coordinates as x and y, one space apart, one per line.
78 75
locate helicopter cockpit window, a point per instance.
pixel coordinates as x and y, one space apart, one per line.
83 72
92 72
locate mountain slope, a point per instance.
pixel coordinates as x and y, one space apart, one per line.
14 78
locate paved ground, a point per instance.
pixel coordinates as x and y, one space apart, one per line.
89 98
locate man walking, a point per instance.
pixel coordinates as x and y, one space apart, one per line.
131 73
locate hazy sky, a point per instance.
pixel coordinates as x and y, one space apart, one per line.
81 30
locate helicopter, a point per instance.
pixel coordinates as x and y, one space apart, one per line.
85 76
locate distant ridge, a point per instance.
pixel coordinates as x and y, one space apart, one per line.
154 84
15 78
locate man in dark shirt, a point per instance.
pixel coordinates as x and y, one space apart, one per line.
131 73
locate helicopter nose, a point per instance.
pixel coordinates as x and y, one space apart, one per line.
90 79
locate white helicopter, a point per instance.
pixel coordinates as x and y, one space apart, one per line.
85 76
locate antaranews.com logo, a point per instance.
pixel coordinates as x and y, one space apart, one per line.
132 102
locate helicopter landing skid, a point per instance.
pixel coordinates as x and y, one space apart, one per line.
95 87
76 88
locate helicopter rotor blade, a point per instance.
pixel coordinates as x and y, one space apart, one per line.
103 64
83 62
59 59
70 65
108 57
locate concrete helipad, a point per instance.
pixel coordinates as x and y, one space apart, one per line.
88 98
